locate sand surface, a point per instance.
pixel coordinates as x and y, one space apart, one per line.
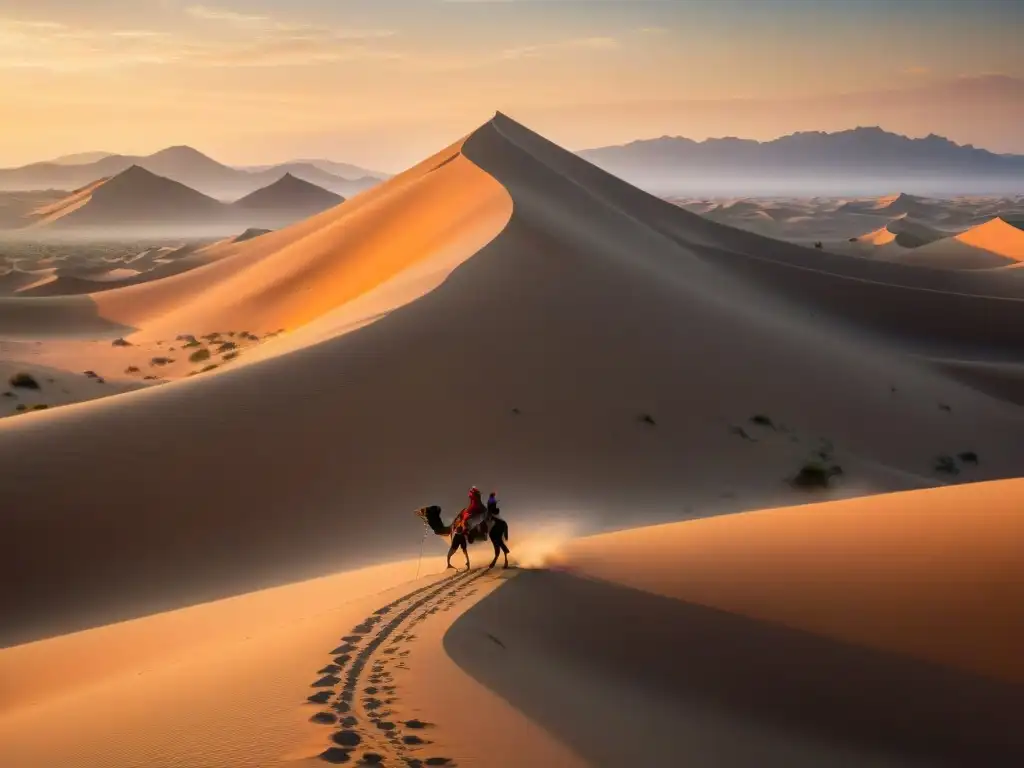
506 314
875 631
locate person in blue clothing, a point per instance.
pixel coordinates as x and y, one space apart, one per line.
498 533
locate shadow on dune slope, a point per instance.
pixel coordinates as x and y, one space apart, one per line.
626 677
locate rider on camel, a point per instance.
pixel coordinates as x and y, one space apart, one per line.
476 505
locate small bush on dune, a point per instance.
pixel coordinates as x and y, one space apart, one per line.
762 420
132 369
968 457
230 356
816 474
209 368
946 465
40 407
120 343
192 343
817 244
22 407
227 346
161 361
24 381
199 355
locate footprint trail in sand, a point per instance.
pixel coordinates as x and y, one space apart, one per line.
371 729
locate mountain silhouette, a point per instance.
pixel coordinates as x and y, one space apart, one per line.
133 198
183 164
854 156
287 200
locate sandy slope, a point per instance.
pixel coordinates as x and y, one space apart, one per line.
239 682
879 631
875 631
593 305
996 243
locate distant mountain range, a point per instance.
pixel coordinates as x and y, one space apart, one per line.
857 161
138 200
186 166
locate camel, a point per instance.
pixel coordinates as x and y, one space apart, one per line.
477 528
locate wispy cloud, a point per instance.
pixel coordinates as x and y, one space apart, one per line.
572 44
218 14
273 25
264 42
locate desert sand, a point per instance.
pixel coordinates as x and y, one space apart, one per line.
506 313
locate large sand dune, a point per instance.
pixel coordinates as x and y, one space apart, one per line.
503 312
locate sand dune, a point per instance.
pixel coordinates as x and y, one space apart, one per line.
503 250
506 313
996 243
876 631
847 633
904 232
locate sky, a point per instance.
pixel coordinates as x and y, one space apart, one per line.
382 83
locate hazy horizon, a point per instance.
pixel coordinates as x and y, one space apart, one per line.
382 84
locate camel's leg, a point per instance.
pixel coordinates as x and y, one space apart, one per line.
451 551
496 551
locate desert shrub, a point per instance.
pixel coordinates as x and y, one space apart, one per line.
212 336
22 407
946 465
226 347
230 355
24 381
209 368
120 343
816 474
199 355
161 361
762 420
853 239
90 374
968 457
40 407
185 337
149 378
132 369
192 343
817 244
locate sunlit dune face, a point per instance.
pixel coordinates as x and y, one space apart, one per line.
879 571
287 279
997 236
